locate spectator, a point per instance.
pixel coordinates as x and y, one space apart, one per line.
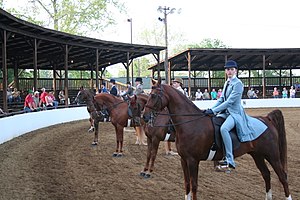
275 93
198 95
206 95
43 95
251 94
9 95
297 86
113 89
219 93
284 93
186 92
50 100
103 88
16 95
213 94
292 92
61 96
29 105
36 99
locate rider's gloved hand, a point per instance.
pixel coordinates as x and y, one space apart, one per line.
208 112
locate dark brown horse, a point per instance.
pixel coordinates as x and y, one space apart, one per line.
160 129
195 137
119 116
87 96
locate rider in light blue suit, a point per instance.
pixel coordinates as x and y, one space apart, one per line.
229 107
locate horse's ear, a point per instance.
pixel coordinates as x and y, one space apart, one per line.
159 80
154 82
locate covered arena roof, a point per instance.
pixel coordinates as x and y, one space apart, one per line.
50 47
247 59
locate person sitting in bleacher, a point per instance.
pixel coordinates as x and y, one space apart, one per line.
29 104
36 99
43 95
50 100
16 95
61 96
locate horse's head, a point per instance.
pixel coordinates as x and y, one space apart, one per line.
157 100
83 96
137 104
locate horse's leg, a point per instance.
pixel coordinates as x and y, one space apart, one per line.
96 129
186 175
137 141
154 149
115 154
146 167
193 166
120 134
279 170
261 165
91 129
143 135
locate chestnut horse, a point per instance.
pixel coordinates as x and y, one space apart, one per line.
119 114
195 137
160 129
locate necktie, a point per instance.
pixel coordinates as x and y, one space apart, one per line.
227 84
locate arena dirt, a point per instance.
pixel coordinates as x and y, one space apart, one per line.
59 162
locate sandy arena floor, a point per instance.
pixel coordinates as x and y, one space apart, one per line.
59 162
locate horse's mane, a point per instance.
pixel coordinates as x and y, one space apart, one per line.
188 101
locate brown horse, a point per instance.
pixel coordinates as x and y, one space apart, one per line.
119 116
195 137
160 129
95 116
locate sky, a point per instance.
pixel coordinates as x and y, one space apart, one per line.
237 23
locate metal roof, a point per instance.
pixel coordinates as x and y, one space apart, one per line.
248 59
82 56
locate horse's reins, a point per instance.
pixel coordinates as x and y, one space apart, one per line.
159 100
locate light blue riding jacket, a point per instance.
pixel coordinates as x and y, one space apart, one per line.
248 128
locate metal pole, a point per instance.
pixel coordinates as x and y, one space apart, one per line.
166 52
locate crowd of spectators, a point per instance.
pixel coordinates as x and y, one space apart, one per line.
206 95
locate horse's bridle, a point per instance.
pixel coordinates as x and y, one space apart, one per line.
158 104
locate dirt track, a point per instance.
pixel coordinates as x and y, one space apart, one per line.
59 162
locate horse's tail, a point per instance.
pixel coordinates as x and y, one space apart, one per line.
277 119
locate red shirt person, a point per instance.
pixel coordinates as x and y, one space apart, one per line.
43 97
29 104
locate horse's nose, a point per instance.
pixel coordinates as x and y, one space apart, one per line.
146 118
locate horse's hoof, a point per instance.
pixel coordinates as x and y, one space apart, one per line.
143 174
95 143
91 130
147 176
115 154
120 155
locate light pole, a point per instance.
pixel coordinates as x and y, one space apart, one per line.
130 21
166 10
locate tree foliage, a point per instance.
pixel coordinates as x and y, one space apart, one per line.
71 16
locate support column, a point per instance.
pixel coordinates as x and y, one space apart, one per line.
189 68
263 76
16 74
4 69
66 75
34 64
127 68
97 70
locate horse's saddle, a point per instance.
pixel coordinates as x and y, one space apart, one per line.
218 143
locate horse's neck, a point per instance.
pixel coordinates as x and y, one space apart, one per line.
178 105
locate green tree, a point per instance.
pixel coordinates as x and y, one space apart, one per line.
70 16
